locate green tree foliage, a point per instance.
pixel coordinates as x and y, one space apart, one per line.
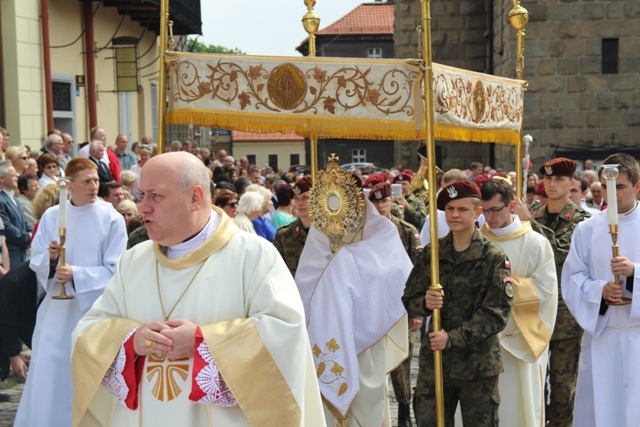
196 46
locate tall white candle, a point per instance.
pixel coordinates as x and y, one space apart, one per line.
62 219
612 202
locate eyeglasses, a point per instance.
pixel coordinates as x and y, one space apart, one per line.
232 205
492 211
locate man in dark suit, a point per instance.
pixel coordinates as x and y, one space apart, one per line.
96 151
18 306
16 229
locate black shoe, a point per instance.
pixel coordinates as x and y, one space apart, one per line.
404 415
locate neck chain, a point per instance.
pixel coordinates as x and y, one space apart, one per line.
166 316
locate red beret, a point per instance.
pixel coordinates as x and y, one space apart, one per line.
540 189
457 190
374 179
560 166
481 179
302 186
380 192
405 175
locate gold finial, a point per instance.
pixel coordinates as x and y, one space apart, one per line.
334 158
519 18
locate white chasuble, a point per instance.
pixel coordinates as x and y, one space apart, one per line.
252 321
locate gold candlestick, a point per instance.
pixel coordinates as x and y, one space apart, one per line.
62 231
613 229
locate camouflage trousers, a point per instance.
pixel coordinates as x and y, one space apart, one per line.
401 377
563 375
479 401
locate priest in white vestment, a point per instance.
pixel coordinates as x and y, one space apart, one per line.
356 321
524 341
96 237
201 326
608 379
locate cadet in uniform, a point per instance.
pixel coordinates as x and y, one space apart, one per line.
476 302
413 208
380 196
290 239
556 220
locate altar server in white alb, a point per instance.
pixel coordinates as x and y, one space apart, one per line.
96 237
201 326
525 340
608 380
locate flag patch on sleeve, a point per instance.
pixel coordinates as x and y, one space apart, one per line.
507 264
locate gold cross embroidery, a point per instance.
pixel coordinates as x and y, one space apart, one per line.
165 386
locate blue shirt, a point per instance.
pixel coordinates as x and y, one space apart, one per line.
264 228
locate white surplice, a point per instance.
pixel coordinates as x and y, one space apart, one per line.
608 378
246 304
96 237
525 339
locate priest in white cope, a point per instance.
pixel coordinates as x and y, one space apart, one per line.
356 321
525 340
200 326
96 237
608 379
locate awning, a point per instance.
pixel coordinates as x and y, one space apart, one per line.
185 14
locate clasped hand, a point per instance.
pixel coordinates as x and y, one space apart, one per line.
174 338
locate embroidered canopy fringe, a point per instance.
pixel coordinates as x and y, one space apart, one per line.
351 98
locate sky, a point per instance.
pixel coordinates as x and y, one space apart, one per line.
265 27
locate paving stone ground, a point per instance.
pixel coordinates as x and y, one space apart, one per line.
12 389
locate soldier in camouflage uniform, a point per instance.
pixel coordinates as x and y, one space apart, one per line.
290 239
411 207
380 196
476 302
556 220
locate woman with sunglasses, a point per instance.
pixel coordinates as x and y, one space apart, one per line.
227 201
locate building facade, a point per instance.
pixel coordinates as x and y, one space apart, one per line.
33 55
582 62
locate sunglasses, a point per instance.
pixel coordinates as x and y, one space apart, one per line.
232 205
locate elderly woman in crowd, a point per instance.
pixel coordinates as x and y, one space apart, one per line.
19 158
47 196
262 224
128 210
249 208
227 201
28 186
48 169
145 154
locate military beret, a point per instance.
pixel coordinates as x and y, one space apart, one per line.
302 186
560 166
380 192
457 190
374 179
405 175
481 179
540 189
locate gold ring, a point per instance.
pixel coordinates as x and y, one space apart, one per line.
148 343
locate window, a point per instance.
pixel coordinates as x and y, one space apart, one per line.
62 98
358 155
273 161
251 158
610 56
374 52
294 159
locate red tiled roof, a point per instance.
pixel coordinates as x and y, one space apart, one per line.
367 18
264 137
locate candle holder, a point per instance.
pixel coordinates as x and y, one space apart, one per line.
62 232
610 172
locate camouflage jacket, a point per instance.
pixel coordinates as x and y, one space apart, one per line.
414 214
478 296
410 238
289 241
138 235
559 233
